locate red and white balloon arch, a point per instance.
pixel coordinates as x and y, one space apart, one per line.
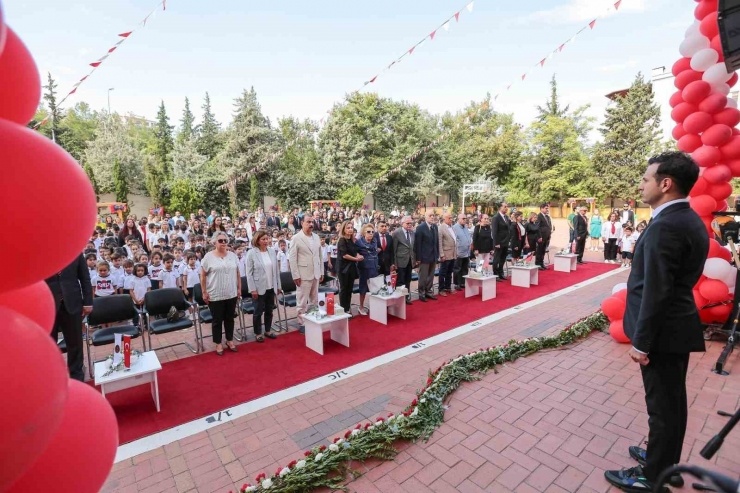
706 127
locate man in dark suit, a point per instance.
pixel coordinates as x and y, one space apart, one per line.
627 215
580 226
426 248
272 220
385 242
73 299
661 318
403 253
501 236
543 242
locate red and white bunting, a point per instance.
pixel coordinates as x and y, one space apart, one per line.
592 24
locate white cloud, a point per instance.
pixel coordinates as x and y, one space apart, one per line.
585 10
618 67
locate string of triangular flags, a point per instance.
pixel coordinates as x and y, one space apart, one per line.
484 106
445 25
124 36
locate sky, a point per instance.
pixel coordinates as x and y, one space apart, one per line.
303 57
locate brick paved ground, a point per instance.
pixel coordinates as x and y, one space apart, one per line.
549 422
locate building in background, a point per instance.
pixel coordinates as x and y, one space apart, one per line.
139 121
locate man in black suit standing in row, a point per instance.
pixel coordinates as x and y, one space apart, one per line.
661 319
543 242
403 254
384 240
426 248
500 233
580 225
73 300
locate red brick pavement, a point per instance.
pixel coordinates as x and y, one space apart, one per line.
550 422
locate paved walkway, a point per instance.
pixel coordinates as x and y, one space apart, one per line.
550 422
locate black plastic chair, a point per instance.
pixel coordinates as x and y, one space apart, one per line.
204 314
288 298
245 306
157 304
112 309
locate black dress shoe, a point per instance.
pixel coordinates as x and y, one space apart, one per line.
302 329
498 279
421 298
640 455
408 301
432 297
631 480
503 278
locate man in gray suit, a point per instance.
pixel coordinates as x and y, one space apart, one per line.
403 253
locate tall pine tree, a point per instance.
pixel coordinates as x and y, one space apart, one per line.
164 143
552 106
186 124
207 143
119 182
55 112
632 134
91 176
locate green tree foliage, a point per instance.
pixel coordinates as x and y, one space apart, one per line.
207 132
91 176
164 143
632 134
112 144
187 128
154 181
80 125
352 197
187 163
254 194
552 106
52 127
185 197
119 182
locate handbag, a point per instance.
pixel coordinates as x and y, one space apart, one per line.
350 267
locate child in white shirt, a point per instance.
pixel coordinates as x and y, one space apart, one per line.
155 267
628 246
242 262
282 256
117 270
168 277
333 254
190 276
140 284
103 283
128 275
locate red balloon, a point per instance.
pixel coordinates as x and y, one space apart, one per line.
676 99
734 166
705 8
621 295
706 316
613 308
20 85
34 393
716 135
719 191
678 132
616 330
717 174
681 65
709 26
720 313
707 221
35 170
728 116
703 204
683 110
732 80
699 188
689 143
706 156
731 150
685 78
718 251
34 302
714 103
714 291
696 91
697 122
60 465
700 301
3 35
716 45
735 131
722 205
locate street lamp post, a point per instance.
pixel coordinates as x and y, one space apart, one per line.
109 90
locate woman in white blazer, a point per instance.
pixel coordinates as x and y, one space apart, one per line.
263 278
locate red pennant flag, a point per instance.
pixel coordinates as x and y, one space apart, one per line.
95 64
85 77
616 5
523 76
125 35
411 51
457 17
373 79
431 36
112 49
561 47
508 87
72 91
542 62
592 24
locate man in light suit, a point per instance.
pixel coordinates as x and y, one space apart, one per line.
661 319
447 254
403 253
306 267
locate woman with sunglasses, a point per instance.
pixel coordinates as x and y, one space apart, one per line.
219 274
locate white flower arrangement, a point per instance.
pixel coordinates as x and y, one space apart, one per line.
250 489
415 411
355 433
267 484
319 456
284 471
300 464
333 447
422 400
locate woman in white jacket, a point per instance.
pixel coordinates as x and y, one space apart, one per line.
611 232
263 279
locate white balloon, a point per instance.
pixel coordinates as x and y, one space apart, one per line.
716 74
704 59
721 88
729 275
731 103
619 287
715 268
693 29
691 45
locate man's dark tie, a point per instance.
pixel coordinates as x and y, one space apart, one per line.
407 237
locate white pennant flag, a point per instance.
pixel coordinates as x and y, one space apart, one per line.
470 7
446 26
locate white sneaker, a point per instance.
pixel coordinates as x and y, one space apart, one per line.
361 311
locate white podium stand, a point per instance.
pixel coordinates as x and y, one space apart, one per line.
566 263
524 276
338 325
382 306
142 372
486 286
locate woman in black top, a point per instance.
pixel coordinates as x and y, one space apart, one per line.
518 236
483 243
533 232
347 264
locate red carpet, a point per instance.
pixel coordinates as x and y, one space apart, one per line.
195 387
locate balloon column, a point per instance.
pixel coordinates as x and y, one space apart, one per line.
55 433
614 307
705 127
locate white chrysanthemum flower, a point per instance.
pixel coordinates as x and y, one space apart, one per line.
300 464
334 447
400 417
267 484
415 411
370 427
284 471
319 456
250 489
340 441
422 401
355 432
391 418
